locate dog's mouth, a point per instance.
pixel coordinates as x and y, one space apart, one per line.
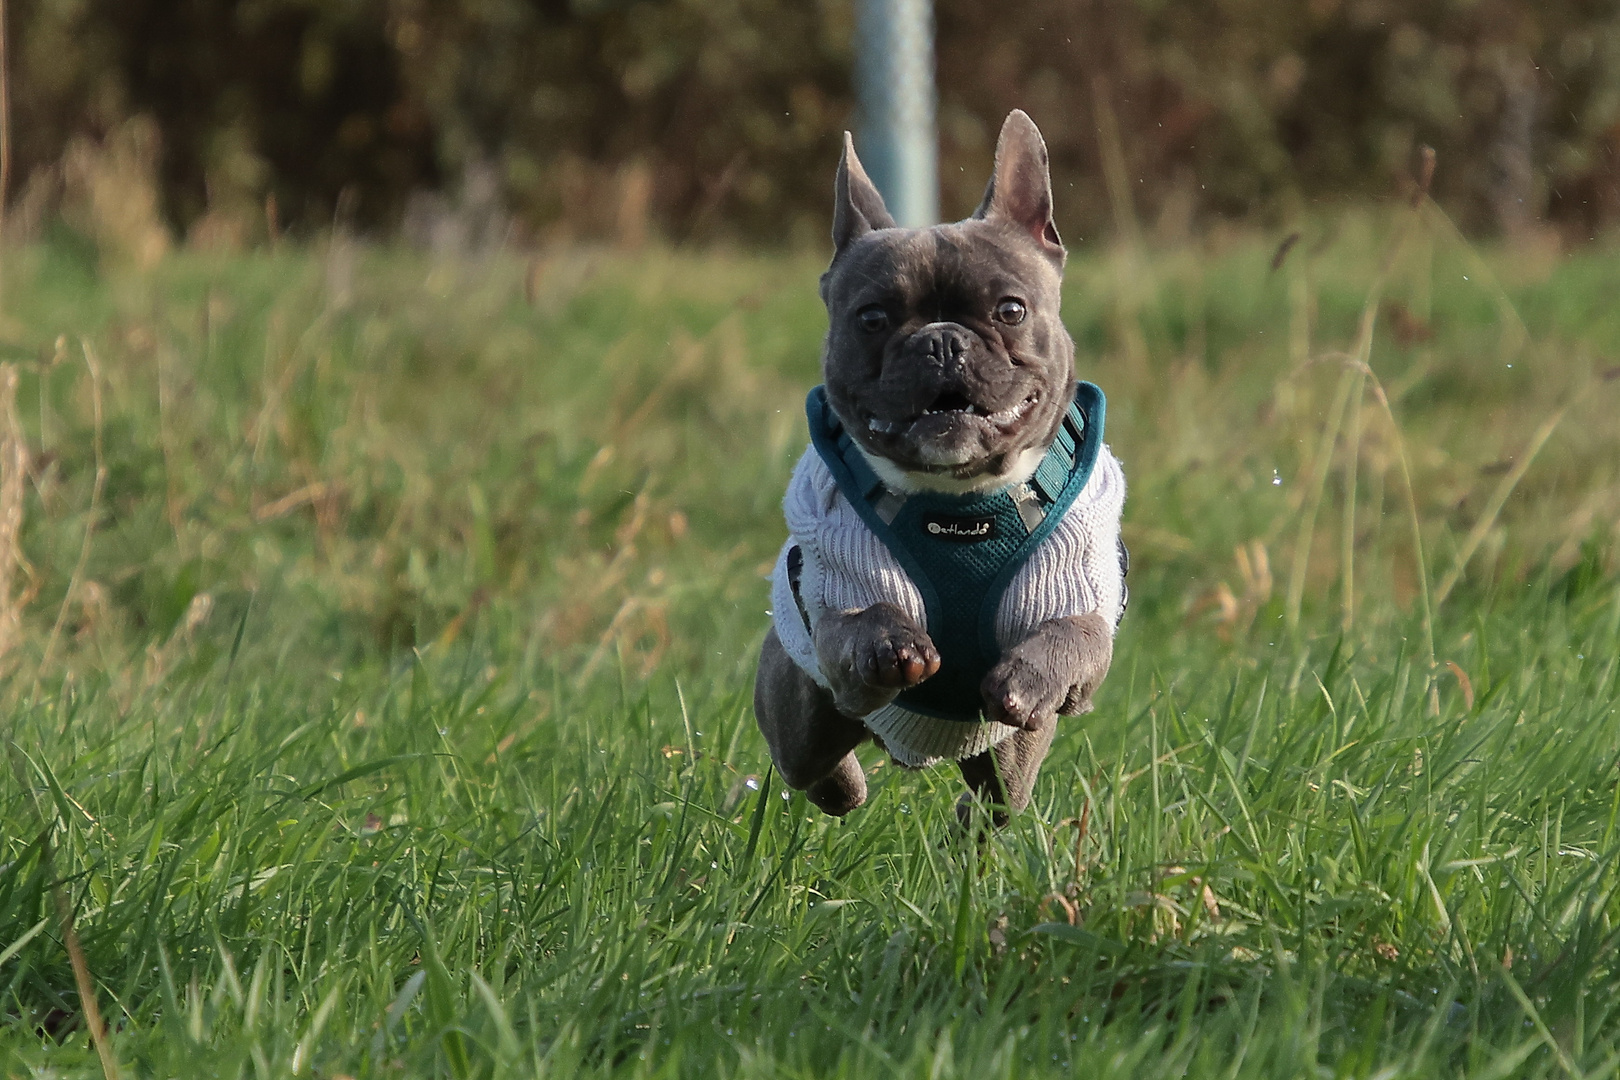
951 408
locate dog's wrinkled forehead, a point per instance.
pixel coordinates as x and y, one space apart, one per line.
945 267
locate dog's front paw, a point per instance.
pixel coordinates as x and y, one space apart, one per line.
897 657
870 656
1021 695
1053 671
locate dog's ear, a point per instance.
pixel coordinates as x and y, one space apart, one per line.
857 205
1020 189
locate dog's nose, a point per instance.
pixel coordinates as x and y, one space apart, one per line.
944 343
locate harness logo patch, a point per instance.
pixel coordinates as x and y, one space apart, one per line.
961 530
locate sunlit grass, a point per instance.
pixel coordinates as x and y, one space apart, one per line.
399 721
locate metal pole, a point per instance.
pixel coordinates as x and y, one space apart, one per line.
895 130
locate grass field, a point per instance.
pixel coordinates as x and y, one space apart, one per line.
377 640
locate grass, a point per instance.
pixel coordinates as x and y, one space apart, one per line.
384 710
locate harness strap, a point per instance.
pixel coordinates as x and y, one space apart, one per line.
961 552
1052 475
1032 497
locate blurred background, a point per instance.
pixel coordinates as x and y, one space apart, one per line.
467 123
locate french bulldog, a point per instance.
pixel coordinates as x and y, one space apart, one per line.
950 408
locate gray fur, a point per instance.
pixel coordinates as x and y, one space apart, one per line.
870 656
1054 670
811 742
947 393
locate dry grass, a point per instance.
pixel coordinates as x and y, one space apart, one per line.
421 439
392 622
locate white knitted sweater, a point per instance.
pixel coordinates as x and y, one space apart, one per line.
1074 571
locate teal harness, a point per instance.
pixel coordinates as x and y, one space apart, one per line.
961 551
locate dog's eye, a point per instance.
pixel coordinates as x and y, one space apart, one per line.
1010 311
873 318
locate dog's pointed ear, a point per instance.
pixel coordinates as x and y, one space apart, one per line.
1020 189
857 205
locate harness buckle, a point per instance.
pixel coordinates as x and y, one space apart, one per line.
1028 504
887 505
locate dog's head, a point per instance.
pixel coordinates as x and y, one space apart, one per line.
945 356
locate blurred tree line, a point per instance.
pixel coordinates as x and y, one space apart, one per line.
466 121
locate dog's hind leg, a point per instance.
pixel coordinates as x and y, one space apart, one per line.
811 742
841 790
1004 776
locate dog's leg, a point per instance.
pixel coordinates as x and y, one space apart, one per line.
841 790
811 742
1053 671
1003 777
870 656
